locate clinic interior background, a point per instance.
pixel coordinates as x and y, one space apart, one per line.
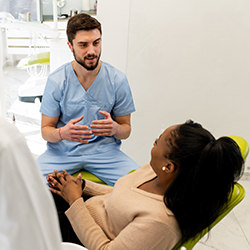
184 60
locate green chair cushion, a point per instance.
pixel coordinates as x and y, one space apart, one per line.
38 59
88 176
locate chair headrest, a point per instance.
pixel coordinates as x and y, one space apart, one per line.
243 145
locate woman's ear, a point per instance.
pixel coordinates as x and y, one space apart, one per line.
169 167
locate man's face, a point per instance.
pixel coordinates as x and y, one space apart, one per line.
86 48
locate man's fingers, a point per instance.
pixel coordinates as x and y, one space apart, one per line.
81 136
80 127
81 132
105 113
102 134
101 131
75 120
101 122
80 140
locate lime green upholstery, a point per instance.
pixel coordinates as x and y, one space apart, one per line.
88 176
243 145
38 59
237 196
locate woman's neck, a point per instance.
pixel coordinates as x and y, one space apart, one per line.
155 186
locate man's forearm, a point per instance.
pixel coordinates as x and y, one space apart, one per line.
51 134
123 131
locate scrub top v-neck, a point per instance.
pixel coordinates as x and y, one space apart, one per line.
64 96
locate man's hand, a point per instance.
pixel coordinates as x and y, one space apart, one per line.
65 185
106 127
78 133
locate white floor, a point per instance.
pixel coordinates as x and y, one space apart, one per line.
232 233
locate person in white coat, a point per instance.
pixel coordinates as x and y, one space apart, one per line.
28 218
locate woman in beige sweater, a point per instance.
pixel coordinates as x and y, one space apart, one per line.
180 192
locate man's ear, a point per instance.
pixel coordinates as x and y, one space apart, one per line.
70 46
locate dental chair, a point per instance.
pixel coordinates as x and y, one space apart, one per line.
37 61
89 176
238 195
36 65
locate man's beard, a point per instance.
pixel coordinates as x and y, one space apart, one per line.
83 64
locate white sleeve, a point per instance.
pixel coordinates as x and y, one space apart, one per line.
27 212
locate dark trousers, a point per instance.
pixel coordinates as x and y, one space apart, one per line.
67 232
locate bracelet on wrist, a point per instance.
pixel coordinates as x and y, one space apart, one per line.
59 131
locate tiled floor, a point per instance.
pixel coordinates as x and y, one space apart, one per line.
232 233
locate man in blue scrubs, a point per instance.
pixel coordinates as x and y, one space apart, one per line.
86 109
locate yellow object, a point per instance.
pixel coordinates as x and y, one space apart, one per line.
39 59
88 176
243 145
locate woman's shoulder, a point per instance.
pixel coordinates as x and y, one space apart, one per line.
144 169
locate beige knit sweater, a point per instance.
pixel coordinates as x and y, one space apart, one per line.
124 217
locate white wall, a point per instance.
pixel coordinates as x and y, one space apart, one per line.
2 99
115 17
2 102
184 59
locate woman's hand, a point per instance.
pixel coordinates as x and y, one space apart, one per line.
65 185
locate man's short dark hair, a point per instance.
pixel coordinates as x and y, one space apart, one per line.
81 22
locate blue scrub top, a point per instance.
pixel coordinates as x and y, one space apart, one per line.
65 97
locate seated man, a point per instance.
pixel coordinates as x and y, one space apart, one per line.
86 109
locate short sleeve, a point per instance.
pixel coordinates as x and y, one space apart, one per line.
51 99
124 103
